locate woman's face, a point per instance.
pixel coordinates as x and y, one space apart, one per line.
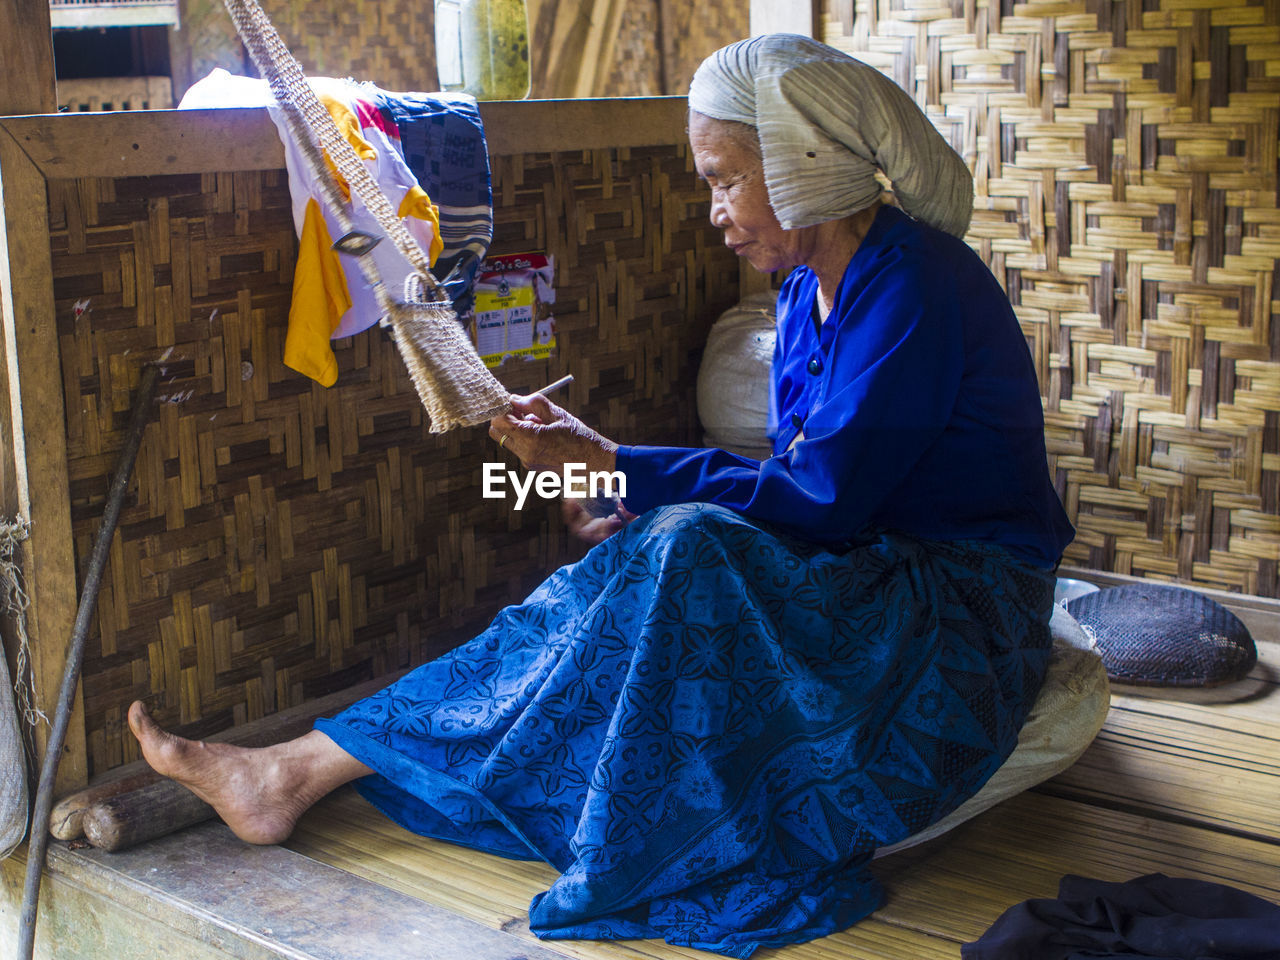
729 161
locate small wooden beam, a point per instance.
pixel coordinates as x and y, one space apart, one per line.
155 810
66 820
153 143
26 50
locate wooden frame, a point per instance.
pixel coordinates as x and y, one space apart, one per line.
36 149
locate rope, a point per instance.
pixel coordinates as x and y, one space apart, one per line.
17 738
14 602
452 381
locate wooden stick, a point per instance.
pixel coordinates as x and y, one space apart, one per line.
550 387
66 822
43 806
157 809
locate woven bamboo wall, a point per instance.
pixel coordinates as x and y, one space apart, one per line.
584 48
391 42
638 69
626 48
1126 164
692 31
282 540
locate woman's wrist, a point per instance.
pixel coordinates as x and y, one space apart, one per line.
605 457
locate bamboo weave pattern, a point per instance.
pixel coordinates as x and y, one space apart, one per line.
390 42
1125 159
280 540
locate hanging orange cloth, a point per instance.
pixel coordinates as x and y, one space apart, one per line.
331 298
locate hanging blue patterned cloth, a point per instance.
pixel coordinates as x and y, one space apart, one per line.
443 140
709 726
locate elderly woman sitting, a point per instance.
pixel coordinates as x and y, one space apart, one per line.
765 670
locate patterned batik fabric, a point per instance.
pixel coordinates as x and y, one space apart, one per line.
443 140
709 727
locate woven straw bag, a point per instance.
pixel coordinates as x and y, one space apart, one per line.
453 383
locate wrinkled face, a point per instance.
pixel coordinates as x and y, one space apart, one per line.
727 157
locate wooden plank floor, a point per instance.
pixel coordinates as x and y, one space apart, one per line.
1215 764
1182 788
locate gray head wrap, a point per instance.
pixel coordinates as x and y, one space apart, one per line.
825 123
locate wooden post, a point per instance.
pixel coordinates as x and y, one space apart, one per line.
786 16
26 50
596 54
36 475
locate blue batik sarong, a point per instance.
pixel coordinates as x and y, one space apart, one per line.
709 727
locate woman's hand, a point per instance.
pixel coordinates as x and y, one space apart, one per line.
546 437
591 529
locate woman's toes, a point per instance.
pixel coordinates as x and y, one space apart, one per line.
140 721
160 749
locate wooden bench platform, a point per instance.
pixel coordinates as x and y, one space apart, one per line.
1170 786
1185 789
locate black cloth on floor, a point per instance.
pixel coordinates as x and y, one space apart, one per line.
1157 917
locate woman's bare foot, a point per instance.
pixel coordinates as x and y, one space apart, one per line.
258 792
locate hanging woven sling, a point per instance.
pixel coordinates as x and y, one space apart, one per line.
455 386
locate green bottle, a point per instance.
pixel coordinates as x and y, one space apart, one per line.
482 48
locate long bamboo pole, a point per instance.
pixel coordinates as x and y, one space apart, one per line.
39 842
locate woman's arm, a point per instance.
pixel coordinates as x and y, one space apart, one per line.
894 373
